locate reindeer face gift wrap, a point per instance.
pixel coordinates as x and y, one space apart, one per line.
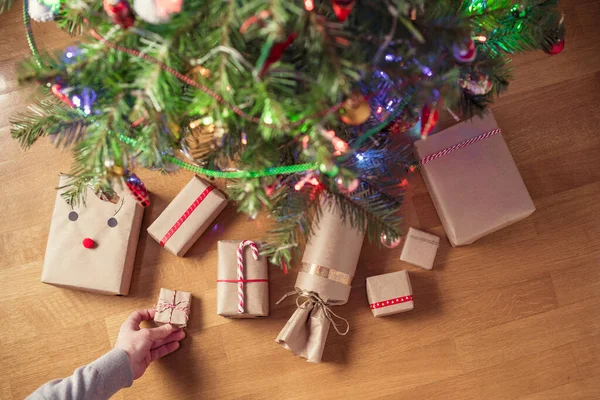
92 247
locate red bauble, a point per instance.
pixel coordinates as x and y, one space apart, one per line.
465 53
343 8
429 118
277 50
88 243
138 189
120 12
556 47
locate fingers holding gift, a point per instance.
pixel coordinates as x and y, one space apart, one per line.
135 318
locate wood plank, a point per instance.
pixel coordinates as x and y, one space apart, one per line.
508 380
587 356
516 339
585 389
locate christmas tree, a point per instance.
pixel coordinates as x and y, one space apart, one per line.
290 100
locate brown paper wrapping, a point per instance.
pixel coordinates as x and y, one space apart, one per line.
382 288
334 247
197 221
105 269
477 189
178 312
305 333
419 248
256 294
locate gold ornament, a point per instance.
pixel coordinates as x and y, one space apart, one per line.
198 72
356 110
116 170
202 139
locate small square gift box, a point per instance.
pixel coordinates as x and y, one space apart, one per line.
92 246
173 307
186 218
473 180
242 280
390 293
420 248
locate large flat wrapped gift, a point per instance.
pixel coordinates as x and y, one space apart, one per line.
473 180
186 218
252 280
92 247
324 280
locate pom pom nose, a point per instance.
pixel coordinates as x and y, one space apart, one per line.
88 243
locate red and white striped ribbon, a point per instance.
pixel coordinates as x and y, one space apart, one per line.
240 259
458 146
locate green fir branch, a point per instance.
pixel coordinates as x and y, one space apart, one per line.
48 117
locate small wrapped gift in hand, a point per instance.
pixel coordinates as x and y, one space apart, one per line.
420 248
390 293
186 218
242 280
173 308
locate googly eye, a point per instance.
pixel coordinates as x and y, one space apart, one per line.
112 222
73 216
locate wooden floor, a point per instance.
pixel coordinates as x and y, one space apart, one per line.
514 316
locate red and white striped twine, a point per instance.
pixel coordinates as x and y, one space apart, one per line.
458 146
240 259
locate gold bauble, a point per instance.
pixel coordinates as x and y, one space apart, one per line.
356 110
117 170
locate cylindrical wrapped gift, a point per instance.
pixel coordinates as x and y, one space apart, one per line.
325 279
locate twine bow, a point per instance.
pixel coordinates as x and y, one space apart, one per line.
182 305
313 299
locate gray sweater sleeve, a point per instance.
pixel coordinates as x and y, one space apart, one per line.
98 380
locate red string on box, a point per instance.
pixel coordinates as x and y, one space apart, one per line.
185 215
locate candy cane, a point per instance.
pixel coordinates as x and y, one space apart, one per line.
240 259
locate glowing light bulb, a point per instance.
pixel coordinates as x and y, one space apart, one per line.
76 100
309 5
360 157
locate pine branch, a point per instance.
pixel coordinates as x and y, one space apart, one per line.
48 117
294 212
370 210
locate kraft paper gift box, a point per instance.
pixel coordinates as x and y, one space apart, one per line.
390 293
173 307
255 285
186 218
419 248
473 180
112 230
324 280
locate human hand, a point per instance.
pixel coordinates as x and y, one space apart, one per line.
144 345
